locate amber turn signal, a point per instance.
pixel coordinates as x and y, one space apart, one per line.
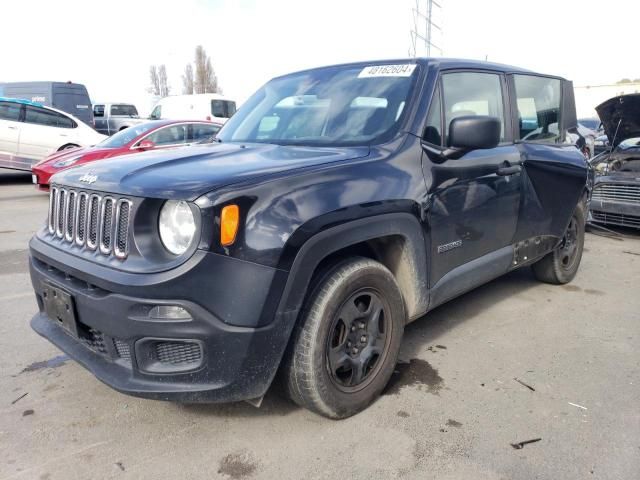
229 222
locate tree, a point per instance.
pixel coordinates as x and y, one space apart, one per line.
187 80
159 83
154 89
624 80
164 84
205 78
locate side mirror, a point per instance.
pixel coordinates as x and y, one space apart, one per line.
474 132
146 145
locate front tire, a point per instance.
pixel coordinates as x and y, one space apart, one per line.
561 265
345 347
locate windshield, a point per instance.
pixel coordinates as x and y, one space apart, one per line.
348 105
125 136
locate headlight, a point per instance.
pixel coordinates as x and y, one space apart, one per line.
177 226
66 162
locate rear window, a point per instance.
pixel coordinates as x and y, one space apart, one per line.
9 111
47 118
98 110
123 110
223 108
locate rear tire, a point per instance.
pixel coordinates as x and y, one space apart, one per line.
346 344
561 265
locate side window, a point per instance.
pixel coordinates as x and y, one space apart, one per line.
156 113
201 132
223 108
538 101
173 135
98 110
47 118
217 108
472 93
433 129
10 111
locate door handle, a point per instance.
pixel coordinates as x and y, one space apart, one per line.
508 168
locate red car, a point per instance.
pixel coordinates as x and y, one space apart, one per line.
139 138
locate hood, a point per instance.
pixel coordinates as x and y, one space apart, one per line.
624 109
187 173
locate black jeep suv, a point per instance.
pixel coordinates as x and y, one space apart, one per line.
336 206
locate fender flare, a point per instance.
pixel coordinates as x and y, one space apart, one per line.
329 241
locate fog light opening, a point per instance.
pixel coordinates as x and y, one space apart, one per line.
169 312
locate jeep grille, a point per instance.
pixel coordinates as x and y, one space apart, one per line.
90 221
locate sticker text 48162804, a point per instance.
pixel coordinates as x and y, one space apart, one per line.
403 70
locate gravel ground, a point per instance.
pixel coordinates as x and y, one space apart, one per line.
452 411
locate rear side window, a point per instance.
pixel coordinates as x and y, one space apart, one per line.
201 132
9 111
538 101
123 110
47 118
98 110
472 93
222 108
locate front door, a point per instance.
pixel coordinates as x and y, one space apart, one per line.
473 200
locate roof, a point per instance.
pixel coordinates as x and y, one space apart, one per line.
40 105
448 63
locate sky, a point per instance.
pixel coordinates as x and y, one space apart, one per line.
109 46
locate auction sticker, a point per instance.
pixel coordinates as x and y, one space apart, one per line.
404 70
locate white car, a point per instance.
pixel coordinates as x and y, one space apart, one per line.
204 106
30 132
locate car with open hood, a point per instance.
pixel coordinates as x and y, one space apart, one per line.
616 191
336 206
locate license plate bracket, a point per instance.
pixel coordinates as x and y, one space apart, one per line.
60 307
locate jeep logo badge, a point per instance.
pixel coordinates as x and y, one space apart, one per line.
88 178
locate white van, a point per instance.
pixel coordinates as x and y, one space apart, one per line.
203 106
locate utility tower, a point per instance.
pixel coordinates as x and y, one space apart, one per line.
423 27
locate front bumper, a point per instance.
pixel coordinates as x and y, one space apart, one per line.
118 342
614 211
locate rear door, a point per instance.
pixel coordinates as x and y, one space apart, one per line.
73 99
100 119
9 134
44 132
554 173
473 205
